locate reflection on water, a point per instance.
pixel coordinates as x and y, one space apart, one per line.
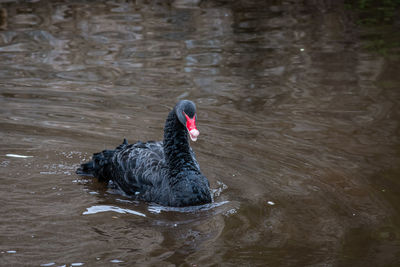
205 207
300 132
105 208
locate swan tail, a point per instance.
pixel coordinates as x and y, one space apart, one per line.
86 169
101 164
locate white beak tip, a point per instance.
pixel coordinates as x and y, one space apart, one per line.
194 134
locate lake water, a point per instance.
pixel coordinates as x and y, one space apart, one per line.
299 125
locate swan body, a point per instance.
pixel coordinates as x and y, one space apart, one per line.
164 172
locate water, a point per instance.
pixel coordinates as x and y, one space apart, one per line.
299 133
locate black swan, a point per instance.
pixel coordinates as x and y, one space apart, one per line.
164 172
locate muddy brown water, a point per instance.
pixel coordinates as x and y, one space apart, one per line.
299 133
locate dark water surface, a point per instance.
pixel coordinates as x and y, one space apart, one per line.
299 133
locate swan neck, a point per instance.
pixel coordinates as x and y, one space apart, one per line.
176 145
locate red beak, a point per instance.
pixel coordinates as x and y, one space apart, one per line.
191 127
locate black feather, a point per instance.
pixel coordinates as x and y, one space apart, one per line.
164 172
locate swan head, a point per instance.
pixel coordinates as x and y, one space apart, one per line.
186 112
